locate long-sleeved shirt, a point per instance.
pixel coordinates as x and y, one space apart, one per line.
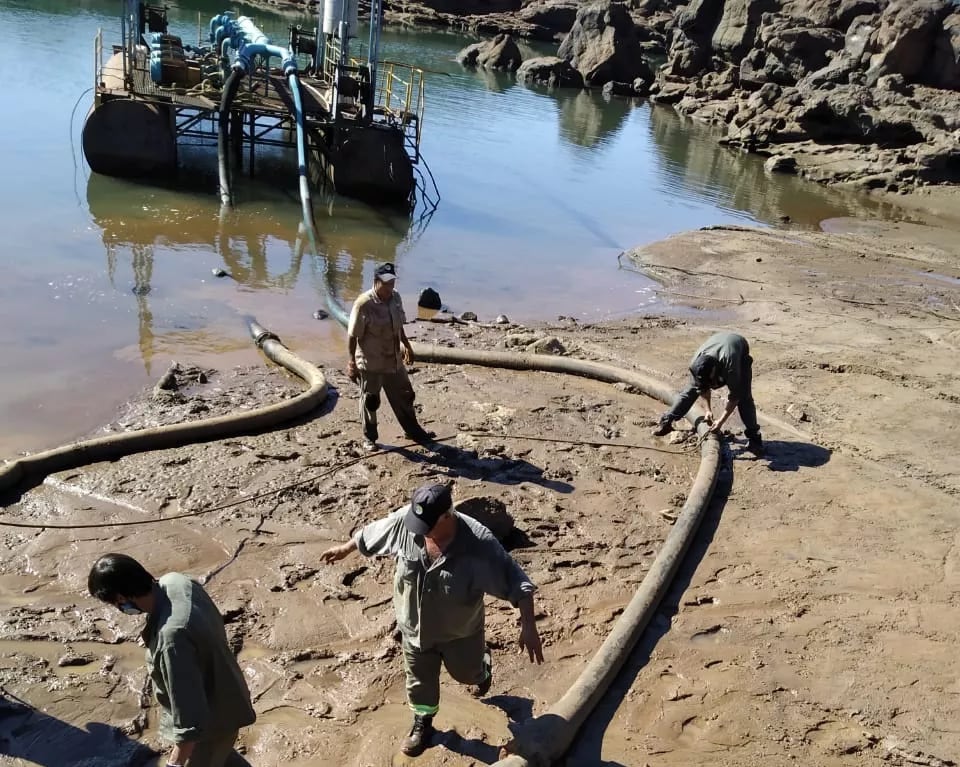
196 678
376 326
443 600
729 350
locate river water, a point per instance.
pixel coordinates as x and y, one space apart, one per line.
106 281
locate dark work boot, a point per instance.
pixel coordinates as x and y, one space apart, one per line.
420 735
479 690
663 428
755 446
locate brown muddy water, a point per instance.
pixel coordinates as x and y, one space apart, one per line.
106 281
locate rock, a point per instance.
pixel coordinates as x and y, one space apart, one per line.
861 39
320 314
429 299
602 45
641 86
797 413
894 84
906 38
468 317
469 55
614 88
519 339
550 71
548 345
168 381
736 32
76 659
502 319
943 70
490 512
499 54
219 273
554 15
687 56
781 163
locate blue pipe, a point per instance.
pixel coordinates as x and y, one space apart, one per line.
301 149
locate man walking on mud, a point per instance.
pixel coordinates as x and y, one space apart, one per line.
379 352
446 562
201 690
724 360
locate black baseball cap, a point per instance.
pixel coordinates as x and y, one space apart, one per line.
703 369
427 504
385 272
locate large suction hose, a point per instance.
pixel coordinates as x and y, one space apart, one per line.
114 446
305 201
230 88
545 738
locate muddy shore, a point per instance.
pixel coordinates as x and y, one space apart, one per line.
814 621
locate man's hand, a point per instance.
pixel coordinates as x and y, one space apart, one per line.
336 553
530 641
407 354
708 418
352 372
181 753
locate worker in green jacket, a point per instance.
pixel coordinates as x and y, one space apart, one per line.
203 696
446 563
723 360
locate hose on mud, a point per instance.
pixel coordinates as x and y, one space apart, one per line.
116 445
545 738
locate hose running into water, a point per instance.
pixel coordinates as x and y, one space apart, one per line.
113 446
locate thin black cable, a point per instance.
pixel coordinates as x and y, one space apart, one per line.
73 148
321 475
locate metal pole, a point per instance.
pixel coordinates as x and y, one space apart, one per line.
253 138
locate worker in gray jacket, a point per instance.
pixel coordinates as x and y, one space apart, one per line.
446 563
723 360
203 696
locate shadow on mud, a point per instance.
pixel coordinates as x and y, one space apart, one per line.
29 734
790 456
466 464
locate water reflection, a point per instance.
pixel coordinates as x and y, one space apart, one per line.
689 157
260 248
587 119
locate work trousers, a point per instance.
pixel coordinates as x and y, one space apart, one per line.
214 752
400 395
745 405
463 659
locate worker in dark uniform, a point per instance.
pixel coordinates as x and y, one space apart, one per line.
724 360
446 563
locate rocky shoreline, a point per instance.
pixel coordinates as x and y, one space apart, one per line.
857 92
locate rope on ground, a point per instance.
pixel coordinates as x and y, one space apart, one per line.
691 272
316 477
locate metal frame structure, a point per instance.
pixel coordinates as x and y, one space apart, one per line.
388 94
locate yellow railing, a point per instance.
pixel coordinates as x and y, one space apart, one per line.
97 60
400 96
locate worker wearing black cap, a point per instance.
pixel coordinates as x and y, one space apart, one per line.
723 360
446 563
379 352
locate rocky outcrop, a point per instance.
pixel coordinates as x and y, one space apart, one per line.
551 71
500 54
603 45
800 78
